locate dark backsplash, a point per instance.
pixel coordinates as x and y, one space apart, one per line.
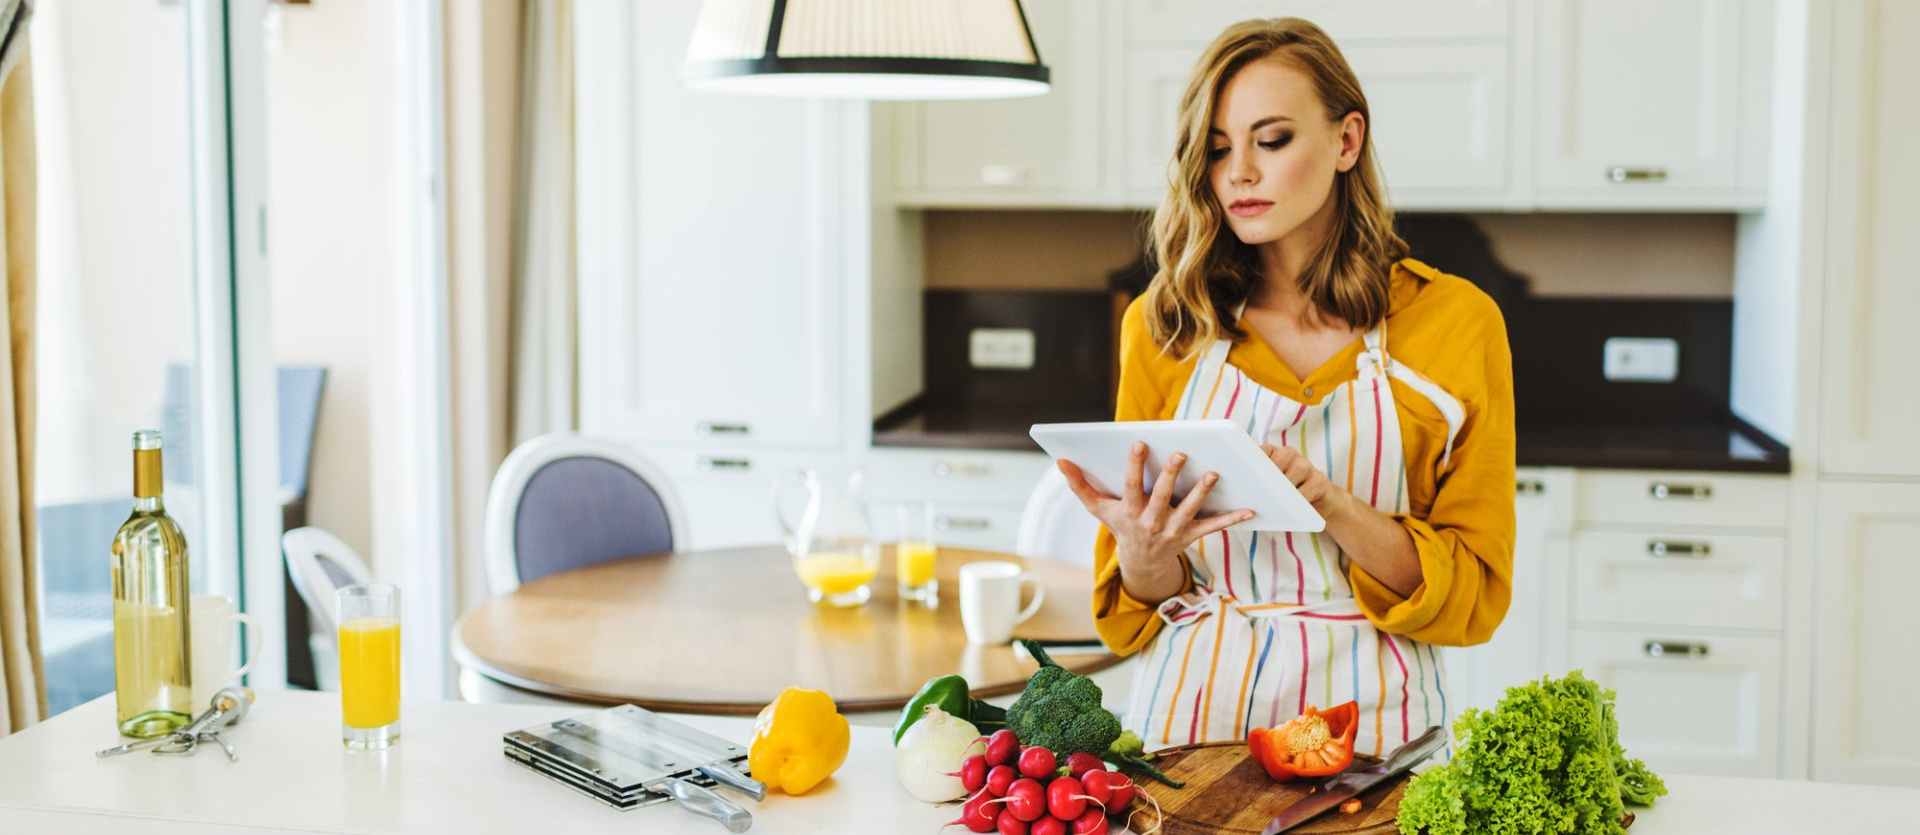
1073 348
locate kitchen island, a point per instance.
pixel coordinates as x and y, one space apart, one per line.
447 775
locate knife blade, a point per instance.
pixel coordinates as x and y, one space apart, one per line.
1346 785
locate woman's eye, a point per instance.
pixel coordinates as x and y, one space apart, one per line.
1277 143
1216 154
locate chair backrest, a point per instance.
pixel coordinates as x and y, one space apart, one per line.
565 501
319 563
1054 525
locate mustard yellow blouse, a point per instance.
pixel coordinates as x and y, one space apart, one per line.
1462 521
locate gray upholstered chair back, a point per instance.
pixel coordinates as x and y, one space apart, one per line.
581 510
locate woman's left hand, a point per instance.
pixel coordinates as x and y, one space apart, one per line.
1327 499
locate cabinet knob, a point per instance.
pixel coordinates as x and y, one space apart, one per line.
707 427
1628 174
1661 490
1529 488
946 469
708 463
1678 649
1004 174
1672 548
961 523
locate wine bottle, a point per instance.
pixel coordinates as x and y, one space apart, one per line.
151 664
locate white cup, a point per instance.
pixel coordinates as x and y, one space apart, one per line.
215 628
990 600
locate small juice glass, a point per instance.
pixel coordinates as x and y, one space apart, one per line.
915 555
369 617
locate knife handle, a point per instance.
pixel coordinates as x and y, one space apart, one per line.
1410 754
702 801
726 776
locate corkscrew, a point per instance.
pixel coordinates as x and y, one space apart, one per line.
228 706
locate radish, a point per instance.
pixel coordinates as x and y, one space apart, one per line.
1081 762
1090 823
1010 825
973 772
1048 825
1037 762
1098 785
1002 747
1026 799
1065 800
976 815
1123 790
999 778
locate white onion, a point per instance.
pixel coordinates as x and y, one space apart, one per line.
930 753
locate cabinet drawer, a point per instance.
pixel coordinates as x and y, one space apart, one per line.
973 476
1679 579
1690 702
985 528
728 493
1633 497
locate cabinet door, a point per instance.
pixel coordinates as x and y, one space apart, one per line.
1864 676
727 492
1440 112
1868 413
1046 149
711 279
1639 102
1679 578
1690 703
1481 674
1198 21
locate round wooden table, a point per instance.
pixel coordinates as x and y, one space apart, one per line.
726 631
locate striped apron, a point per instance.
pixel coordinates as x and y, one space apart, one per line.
1271 625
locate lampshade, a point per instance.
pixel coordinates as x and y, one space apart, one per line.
866 49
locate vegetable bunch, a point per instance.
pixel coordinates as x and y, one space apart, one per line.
1060 710
1027 790
1547 759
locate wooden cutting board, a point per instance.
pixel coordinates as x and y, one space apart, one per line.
1227 792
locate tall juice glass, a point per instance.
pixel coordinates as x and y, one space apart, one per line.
915 555
369 617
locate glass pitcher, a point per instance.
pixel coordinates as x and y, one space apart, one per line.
831 539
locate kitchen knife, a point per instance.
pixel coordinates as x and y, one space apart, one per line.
1348 784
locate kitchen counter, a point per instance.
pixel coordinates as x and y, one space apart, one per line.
1723 445
447 775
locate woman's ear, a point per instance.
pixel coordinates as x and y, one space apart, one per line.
1353 134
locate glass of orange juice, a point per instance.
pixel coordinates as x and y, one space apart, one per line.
914 555
369 618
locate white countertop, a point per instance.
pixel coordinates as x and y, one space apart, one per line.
447 774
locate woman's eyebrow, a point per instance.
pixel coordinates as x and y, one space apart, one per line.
1256 125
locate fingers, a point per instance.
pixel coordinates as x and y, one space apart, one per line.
1136 466
1163 485
1088 495
1190 506
1210 525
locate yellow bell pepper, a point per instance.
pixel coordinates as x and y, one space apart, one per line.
798 741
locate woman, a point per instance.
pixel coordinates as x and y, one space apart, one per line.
1280 281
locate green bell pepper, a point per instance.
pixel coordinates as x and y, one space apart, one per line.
952 695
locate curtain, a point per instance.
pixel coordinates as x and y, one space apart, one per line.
23 692
544 367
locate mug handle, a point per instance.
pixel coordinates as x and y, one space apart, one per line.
234 621
1039 596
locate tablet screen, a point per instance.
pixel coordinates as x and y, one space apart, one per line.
1248 479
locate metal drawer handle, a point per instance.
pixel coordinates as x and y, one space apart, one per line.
1662 490
1674 548
961 523
1529 488
1005 174
944 469
710 428
1679 649
1627 174
709 463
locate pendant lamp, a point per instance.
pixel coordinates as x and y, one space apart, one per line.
865 49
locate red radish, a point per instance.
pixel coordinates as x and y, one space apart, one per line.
1090 823
1099 786
973 773
1123 790
1010 825
1002 747
1026 799
1048 825
999 778
1081 762
976 815
1037 762
1065 799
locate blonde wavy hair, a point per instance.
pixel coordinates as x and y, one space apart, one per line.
1203 271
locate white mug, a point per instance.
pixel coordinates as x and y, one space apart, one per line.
990 600
215 628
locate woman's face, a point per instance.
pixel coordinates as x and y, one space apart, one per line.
1272 154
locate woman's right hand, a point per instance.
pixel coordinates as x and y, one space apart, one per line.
1150 530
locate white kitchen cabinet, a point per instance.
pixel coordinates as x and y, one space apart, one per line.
1651 103
717 291
1687 579
1198 21
1691 702
1864 676
727 491
1869 410
1480 675
1046 150
976 495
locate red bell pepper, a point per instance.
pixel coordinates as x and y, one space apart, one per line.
1316 743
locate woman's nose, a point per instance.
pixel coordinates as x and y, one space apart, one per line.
1240 168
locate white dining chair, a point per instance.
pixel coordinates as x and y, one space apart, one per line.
1054 525
319 563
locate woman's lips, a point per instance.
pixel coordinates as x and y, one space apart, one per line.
1249 208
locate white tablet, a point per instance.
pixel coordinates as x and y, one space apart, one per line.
1248 479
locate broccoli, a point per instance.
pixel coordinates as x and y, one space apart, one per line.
1061 711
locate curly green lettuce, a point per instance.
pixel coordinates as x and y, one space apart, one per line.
1547 759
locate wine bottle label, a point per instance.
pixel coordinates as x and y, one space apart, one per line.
146 473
